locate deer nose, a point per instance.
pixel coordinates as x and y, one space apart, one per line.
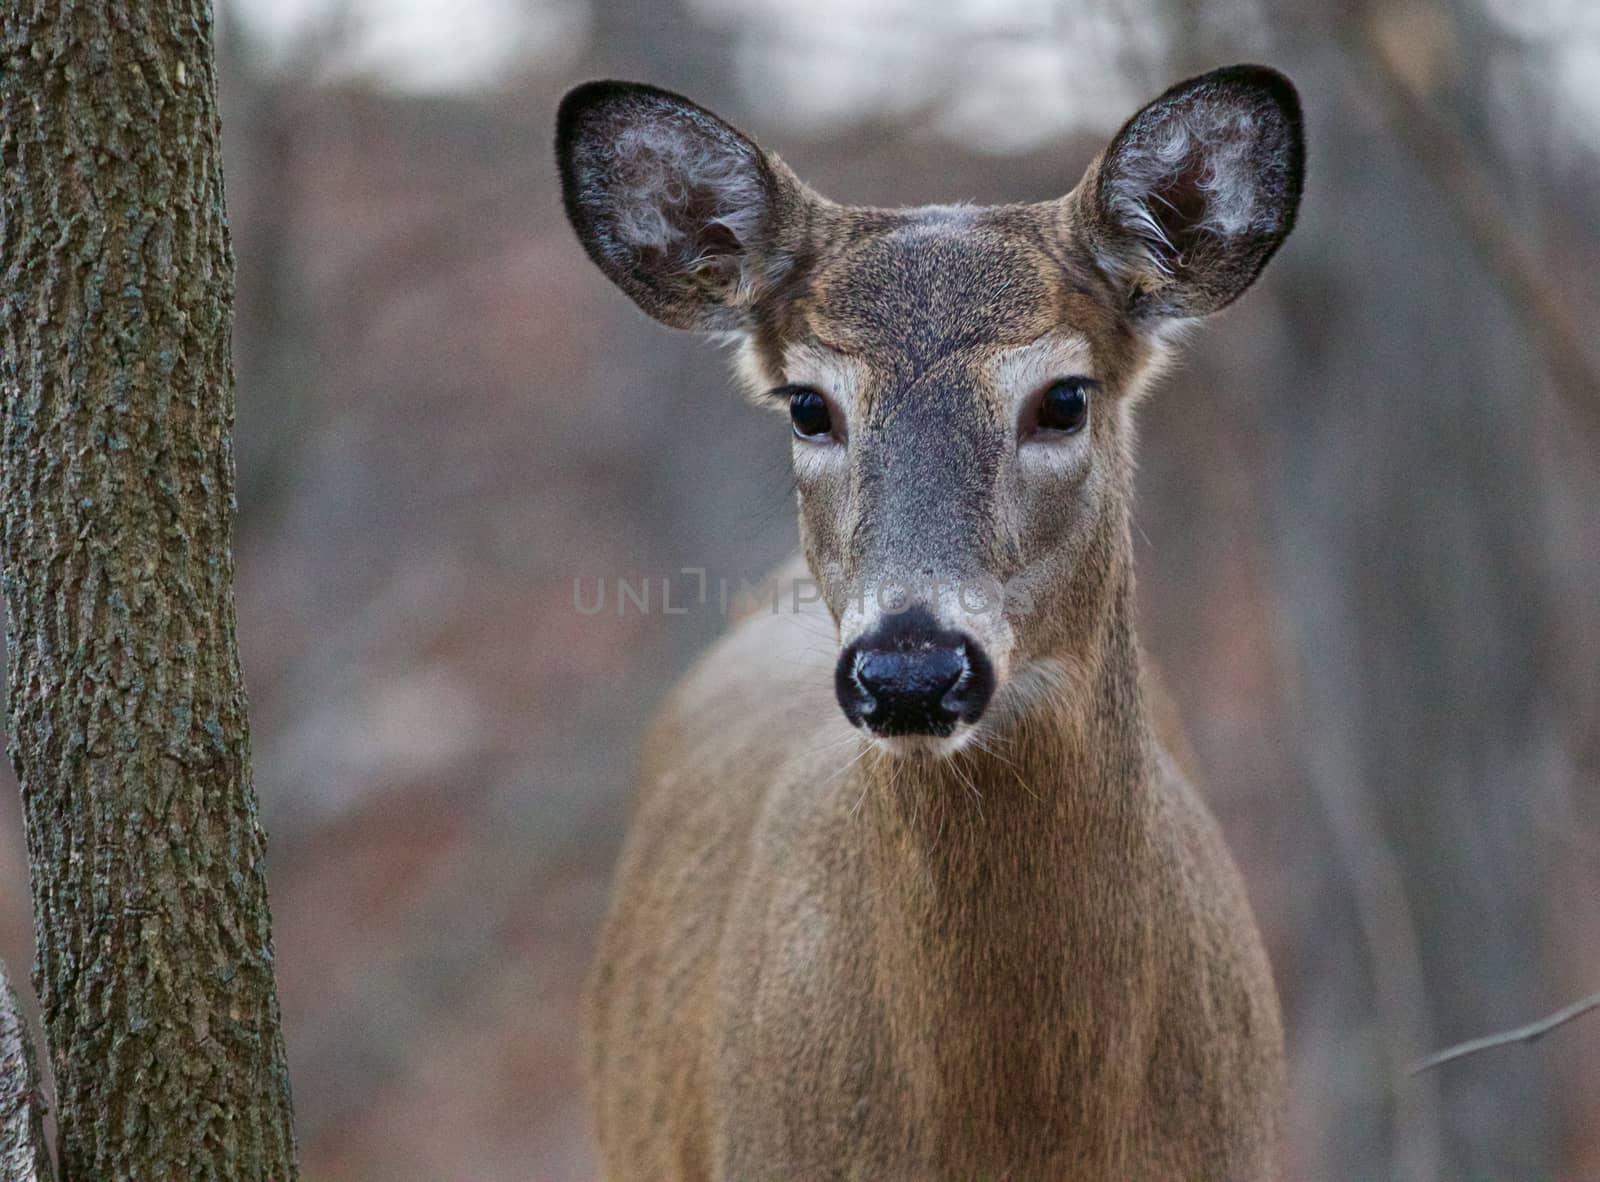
913 681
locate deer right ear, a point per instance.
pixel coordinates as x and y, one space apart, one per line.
1197 191
678 208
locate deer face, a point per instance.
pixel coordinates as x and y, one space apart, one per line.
959 380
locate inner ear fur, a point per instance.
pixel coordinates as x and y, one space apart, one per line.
1197 191
679 208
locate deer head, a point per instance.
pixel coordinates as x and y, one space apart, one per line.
960 380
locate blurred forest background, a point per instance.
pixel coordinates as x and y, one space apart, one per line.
1369 549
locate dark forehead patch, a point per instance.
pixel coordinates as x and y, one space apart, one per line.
937 283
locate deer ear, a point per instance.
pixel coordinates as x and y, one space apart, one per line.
678 208
1197 191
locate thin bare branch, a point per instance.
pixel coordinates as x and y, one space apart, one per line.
1529 1033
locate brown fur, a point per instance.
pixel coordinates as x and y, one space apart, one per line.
1028 956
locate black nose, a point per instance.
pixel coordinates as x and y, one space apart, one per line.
911 677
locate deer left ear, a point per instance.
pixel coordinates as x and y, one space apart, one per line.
679 208
1197 191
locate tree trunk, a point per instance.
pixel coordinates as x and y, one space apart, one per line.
23 1154
127 712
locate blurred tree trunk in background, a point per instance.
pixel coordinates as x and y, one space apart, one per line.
1400 474
1420 614
126 708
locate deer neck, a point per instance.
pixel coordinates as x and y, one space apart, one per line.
1009 876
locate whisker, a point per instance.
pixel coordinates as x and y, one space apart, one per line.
971 787
860 755
980 739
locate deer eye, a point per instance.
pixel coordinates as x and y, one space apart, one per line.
1064 406
808 410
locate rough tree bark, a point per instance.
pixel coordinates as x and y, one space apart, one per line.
126 709
23 1154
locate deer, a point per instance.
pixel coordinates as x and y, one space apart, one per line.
917 882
